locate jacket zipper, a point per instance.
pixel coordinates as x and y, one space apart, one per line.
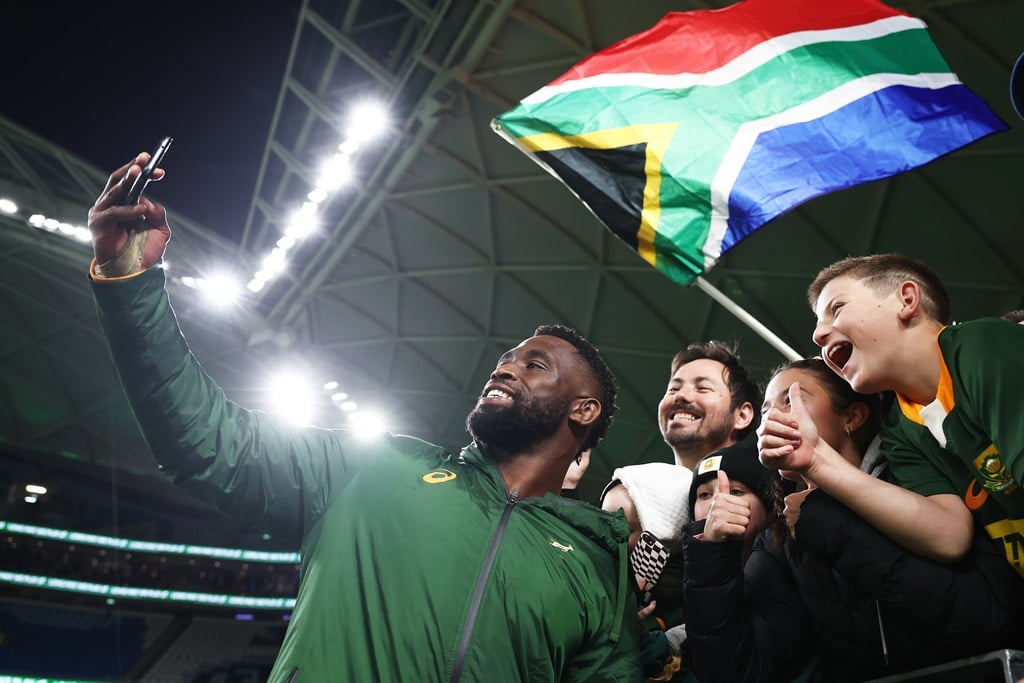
481 582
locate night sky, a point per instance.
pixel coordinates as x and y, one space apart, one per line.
108 80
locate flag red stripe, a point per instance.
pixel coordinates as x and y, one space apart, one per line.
703 40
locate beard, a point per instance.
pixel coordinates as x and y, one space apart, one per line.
517 428
716 431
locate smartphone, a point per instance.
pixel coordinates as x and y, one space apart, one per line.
649 558
137 188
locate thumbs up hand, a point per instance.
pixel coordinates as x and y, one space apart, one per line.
786 440
729 514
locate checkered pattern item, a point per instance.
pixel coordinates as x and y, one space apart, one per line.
648 558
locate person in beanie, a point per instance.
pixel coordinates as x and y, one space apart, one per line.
734 495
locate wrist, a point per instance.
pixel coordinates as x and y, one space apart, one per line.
127 261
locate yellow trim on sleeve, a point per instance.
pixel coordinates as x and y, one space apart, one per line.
100 278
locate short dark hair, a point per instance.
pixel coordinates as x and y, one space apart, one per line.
1014 316
841 396
742 389
602 373
883 273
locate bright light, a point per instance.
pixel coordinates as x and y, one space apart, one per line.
7 206
36 220
368 121
82 234
286 242
220 290
273 263
337 171
366 424
349 147
255 285
31 499
330 386
292 397
348 406
316 196
301 224
339 397
35 488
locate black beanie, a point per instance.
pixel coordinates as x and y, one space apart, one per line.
740 462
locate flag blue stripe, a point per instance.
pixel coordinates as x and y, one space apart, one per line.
890 131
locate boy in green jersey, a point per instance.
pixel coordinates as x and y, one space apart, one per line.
954 438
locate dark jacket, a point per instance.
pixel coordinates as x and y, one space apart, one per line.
866 605
417 565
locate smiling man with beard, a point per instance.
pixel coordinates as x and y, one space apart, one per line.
417 564
708 404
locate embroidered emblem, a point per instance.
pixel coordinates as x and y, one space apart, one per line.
563 548
993 471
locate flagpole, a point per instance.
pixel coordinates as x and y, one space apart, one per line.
752 322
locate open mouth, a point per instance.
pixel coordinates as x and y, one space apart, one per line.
496 394
682 416
839 354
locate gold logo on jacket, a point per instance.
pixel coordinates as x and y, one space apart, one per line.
439 476
563 548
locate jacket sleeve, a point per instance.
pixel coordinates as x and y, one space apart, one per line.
974 600
742 625
249 464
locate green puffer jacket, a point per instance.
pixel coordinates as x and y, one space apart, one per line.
416 565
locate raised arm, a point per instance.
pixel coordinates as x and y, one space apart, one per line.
970 604
939 526
251 465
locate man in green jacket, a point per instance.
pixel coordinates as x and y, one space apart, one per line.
417 564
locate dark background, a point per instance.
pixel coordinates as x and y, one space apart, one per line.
107 80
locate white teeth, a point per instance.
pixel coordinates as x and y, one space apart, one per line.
686 417
497 393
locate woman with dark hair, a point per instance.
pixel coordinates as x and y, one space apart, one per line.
837 588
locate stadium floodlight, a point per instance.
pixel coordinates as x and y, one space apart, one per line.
291 396
220 290
367 424
7 206
336 172
301 224
368 121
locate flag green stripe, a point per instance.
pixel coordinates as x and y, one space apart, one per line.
709 117
827 66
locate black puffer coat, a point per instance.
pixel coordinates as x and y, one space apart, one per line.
845 591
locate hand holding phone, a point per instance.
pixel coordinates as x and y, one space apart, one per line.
137 188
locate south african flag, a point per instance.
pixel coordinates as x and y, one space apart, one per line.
685 139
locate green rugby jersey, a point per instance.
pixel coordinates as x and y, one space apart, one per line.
969 441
